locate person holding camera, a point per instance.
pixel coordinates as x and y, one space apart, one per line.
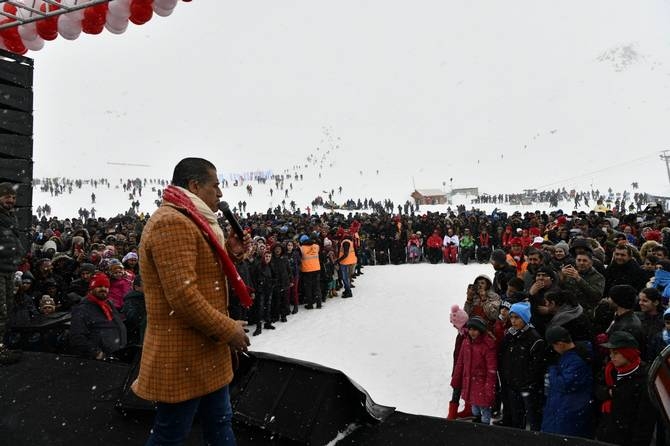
482 301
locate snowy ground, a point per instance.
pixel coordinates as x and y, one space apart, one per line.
393 338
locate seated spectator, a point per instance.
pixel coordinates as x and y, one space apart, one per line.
97 330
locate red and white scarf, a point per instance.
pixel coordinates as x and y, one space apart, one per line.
210 228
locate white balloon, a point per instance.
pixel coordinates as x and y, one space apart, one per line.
119 8
166 4
28 31
69 25
34 45
162 12
116 26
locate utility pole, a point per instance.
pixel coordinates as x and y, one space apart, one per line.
665 157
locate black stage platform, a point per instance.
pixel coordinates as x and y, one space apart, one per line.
54 400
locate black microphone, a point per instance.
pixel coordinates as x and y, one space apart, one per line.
234 224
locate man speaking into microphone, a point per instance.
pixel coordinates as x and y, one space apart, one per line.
185 262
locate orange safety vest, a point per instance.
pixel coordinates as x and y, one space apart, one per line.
350 259
310 258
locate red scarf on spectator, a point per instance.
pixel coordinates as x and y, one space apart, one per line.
173 195
633 355
484 239
104 306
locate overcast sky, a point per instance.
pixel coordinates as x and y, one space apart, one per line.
432 90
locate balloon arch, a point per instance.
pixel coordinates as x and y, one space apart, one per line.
27 24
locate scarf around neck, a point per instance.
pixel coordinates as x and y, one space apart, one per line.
206 221
104 306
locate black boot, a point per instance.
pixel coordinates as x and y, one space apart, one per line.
258 330
282 318
318 304
295 309
268 326
347 293
309 307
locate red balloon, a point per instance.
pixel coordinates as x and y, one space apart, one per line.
94 19
140 12
47 28
11 38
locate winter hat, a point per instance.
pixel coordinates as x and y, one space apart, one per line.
7 188
47 301
477 323
130 255
537 241
653 235
78 240
89 267
580 243
27 276
666 313
623 296
564 246
621 339
458 317
98 280
485 277
50 244
534 231
515 241
498 256
505 304
557 334
521 309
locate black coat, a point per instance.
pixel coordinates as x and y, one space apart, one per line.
632 418
522 359
631 323
136 316
281 273
627 274
91 332
12 249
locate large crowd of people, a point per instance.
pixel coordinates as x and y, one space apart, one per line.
557 340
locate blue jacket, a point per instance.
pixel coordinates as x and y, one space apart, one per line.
569 406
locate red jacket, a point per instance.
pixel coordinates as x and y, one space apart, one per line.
434 241
475 372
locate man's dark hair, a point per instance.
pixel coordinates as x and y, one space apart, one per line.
586 253
626 248
516 282
661 248
561 297
188 169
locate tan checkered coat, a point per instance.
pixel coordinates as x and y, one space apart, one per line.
185 351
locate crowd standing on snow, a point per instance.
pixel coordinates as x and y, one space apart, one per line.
557 340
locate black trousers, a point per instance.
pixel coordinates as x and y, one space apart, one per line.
311 287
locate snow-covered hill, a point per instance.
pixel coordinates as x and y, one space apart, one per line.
502 96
